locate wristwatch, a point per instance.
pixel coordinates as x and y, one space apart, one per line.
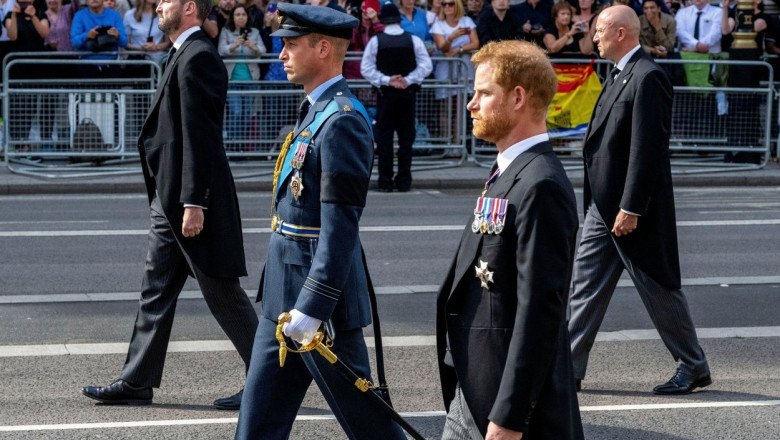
460 50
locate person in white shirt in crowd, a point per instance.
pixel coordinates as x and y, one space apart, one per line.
455 36
395 62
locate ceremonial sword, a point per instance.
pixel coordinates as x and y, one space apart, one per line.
360 383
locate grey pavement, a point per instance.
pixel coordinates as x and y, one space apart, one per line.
428 174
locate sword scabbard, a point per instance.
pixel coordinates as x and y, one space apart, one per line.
326 352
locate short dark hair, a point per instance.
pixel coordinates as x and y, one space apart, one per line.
657 2
231 23
203 6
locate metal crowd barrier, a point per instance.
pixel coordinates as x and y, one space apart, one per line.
49 115
258 133
46 115
57 123
710 125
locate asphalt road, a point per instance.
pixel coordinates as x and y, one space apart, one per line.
71 268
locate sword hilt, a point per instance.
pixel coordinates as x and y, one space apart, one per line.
315 344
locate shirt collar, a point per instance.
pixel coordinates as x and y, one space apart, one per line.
393 29
506 157
316 93
623 61
184 35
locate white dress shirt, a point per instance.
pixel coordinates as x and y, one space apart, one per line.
377 78
184 35
709 27
506 157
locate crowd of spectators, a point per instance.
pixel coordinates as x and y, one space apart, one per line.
449 28
241 29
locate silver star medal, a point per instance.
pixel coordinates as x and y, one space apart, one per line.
485 276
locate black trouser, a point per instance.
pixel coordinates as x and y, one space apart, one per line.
395 109
167 269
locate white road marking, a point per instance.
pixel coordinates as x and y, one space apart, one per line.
387 341
382 290
408 415
398 228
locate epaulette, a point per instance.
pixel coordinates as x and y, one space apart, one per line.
352 105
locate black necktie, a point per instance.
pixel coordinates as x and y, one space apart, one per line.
303 110
696 28
611 77
170 57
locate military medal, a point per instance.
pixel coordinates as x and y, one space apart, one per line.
485 276
475 224
301 148
500 215
296 185
477 215
489 215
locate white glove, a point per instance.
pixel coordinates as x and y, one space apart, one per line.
301 327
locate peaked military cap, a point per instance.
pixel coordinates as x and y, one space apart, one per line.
296 20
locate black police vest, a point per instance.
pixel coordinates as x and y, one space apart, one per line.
395 54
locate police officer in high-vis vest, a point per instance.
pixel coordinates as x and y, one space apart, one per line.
314 268
395 62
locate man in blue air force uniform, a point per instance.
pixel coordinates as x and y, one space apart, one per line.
314 267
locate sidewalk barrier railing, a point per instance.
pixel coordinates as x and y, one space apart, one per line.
272 106
49 115
713 128
56 123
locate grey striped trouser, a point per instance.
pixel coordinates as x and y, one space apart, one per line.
597 269
460 425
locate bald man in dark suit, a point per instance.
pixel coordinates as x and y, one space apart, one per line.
629 204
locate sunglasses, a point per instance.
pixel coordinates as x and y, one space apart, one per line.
445 4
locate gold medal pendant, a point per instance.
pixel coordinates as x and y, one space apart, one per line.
296 186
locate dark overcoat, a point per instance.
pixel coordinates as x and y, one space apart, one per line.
627 167
510 342
183 159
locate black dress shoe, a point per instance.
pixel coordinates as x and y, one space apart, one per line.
683 383
384 189
230 403
119 393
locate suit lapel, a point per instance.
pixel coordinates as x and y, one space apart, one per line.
609 96
499 189
167 73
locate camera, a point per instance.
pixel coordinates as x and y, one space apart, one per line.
244 32
582 27
536 27
23 5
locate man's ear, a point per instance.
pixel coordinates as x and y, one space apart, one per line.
325 47
190 8
520 97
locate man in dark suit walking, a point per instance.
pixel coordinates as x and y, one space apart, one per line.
502 341
629 204
196 224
